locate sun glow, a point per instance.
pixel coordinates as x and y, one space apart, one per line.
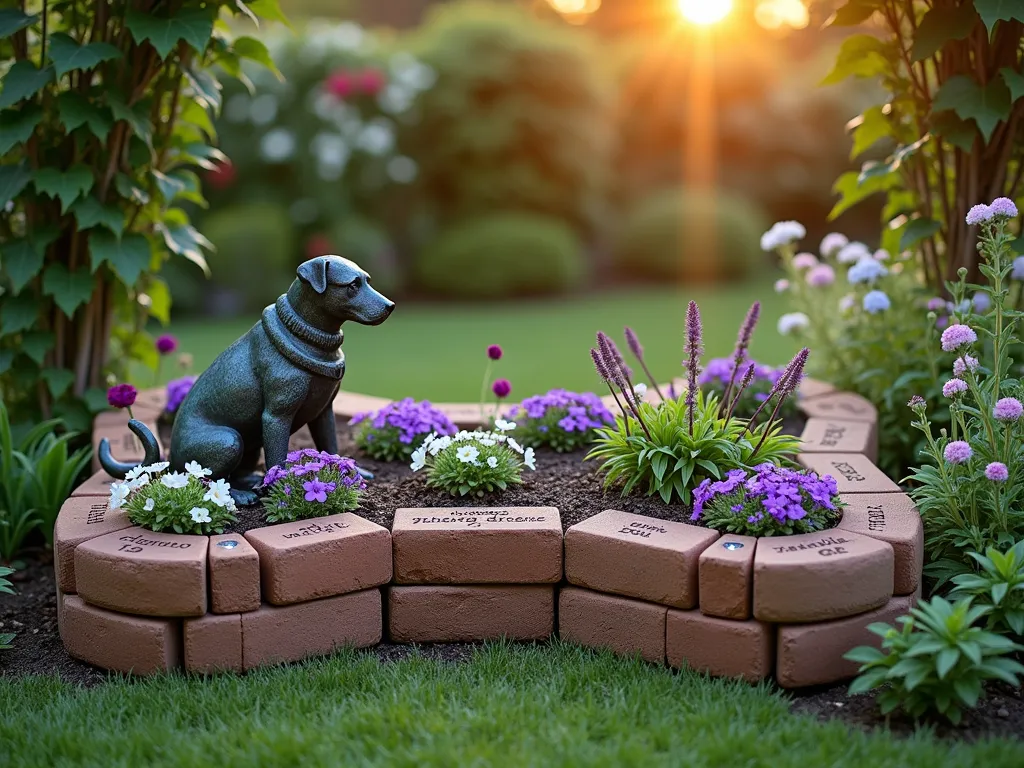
705 12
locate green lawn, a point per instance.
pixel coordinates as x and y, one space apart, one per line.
436 351
509 706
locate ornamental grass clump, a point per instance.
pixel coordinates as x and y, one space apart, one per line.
311 484
396 430
768 501
671 446
474 463
182 502
561 420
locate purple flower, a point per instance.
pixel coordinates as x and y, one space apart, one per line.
1003 206
274 474
494 352
957 452
411 419
916 402
122 395
177 389
317 491
501 388
166 344
875 302
785 494
583 410
821 275
978 214
997 472
804 261
1008 409
633 341
936 305
964 364
954 387
957 336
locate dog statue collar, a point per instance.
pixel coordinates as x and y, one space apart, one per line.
283 325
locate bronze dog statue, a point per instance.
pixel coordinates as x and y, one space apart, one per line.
283 374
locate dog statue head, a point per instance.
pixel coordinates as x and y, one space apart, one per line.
338 289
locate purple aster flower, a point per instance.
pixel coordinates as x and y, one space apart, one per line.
501 388
1003 206
177 389
317 491
957 452
956 336
981 303
954 387
804 261
122 395
166 344
916 402
274 474
1008 409
979 214
494 352
997 472
964 364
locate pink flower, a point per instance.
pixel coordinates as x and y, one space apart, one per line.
494 352
166 344
936 305
957 452
501 388
954 387
781 286
964 364
820 275
1008 409
1003 206
318 245
222 175
370 81
804 260
957 336
340 84
122 396
997 472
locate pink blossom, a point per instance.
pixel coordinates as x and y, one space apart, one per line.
804 260
956 336
997 472
820 275
957 452
1008 409
954 387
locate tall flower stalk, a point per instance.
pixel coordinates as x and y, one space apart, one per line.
694 348
739 354
638 352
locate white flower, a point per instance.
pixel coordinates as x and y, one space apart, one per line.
504 426
219 493
492 461
134 472
175 480
439 445
378 137
866 270
467 454
515 446
488 442
156 469
118 495
148 506
832 243
529 459
196 469
782 233
781 285
852 252
793 321
419 459
882 255
402 169
199 515
640 389
138 482
500 438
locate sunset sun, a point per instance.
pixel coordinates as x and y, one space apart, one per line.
705 12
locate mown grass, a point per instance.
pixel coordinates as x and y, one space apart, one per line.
508 705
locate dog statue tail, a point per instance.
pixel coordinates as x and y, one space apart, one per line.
119 469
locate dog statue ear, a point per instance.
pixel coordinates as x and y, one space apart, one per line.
314 272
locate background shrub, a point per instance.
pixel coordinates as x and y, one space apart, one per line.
659 238
504 254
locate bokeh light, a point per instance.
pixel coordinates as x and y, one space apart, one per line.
775 14
705 12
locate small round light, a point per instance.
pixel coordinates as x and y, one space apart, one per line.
231 544
731 545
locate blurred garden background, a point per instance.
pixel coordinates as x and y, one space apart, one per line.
521 172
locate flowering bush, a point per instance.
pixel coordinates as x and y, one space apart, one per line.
396 430
311 484
722 370
183 502
474 463
970 490
768 501
559 419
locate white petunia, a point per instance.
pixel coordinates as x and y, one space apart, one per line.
200 515
138 482
148 506
640 390
135 472
782 233
488 442
467 454
529 459
196 469
219 493
175 480
155 469
492 462
419 459
504 426
118 495
793 321
439 445
515 446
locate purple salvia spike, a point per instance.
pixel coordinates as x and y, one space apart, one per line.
638 352
794 373
620 375
694 348
742 345
744 383
604 373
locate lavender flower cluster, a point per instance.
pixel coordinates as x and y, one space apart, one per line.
768 501
396 430
311 484
560 419
721 372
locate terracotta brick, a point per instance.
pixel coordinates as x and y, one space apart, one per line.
142 572
726 577
839 405
124 445
820 576
840 436
628 627
81 518
273 634
447 614
214 643
468 415
321 557
637 556
97 485
890 517
720 647
348 404
854 472
116 641
477 545
234 574
814 388
154 399
812 654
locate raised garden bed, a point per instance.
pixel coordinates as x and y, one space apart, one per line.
630 574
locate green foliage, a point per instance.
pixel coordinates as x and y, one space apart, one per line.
473 463
674 460
999 587
6 638
658 239
937 663
181 502
501 255
104 111
311 484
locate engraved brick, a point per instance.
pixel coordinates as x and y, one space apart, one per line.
142 572
321 557
854 472
97 485
839 436
477 545
449 614
234 574
468 415
839 405
81 518
726 577
637 556
893 518
124 445
627 627
348 404
720 647
154 399
813 388
213 643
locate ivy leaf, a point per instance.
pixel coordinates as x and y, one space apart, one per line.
918 230
13 179
36 344
68 54
12 20
169 186
192 112
193 25
17 125
1014 81
69 289
270 10
947 126
987 106
872 126
992 11
137 116
859 56
191 187
57 380
939 26
855 12
128 257
205 89
159 300
76 110
22 80
254 50
21 261
203 155
18 313
852 191
127 187
186 241
90 212
67 186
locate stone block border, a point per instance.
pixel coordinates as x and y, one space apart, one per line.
786 607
